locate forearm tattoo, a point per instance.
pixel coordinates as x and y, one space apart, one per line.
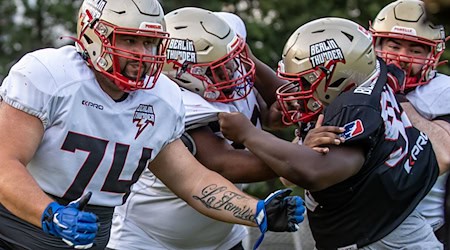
219 198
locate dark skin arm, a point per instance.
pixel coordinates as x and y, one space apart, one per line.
216 154
299 164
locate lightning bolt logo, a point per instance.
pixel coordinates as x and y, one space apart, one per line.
143 116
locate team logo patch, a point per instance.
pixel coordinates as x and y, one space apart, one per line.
325 51
143 116
353 129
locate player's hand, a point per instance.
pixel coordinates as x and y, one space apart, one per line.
235 126
279 213
320 136
396 76
274 118
75 227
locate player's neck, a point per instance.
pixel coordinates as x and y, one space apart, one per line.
109 87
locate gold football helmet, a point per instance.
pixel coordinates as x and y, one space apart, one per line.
406 20
206 57
99 24
322 59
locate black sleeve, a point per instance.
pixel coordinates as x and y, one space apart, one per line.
362 124
189 142
443 118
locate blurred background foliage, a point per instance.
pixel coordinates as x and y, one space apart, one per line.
27 25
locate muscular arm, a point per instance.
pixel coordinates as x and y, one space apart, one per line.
299 164
203 189
302 165
19 193
438 132
237 165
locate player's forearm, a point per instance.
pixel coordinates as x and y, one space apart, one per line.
243 168
218 198
438 136
283 157
302 165
445 141
20 194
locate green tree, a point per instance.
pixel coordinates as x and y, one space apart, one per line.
30 25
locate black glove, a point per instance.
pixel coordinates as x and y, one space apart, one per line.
279 213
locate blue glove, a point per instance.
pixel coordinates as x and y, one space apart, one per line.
75 227
279 213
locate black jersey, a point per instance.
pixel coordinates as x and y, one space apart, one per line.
399 169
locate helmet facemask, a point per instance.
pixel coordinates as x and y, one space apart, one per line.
405 23
321 60
126 42
148 65
425 65
297 97
206 57
231 77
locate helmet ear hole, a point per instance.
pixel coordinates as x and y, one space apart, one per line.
336 83
88 40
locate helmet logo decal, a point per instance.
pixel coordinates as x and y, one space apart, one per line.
404 30
97 7
181 50
143 116
325 51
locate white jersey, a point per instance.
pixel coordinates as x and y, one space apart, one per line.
155 218
433 100
90 142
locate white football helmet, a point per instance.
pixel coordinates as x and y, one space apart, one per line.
100 22
322 59
406 20
206 56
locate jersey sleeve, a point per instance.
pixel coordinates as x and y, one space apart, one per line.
433 99
175 100
29 87
200 112
362 124
443 118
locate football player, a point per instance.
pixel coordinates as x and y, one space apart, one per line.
403 36
213 68
361 192
86 121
